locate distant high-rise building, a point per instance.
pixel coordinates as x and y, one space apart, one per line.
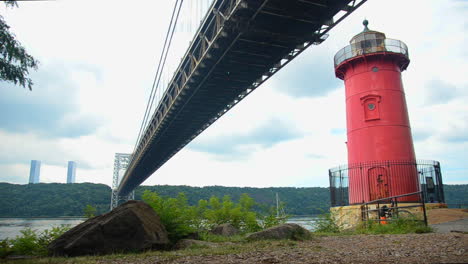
71 173
35 171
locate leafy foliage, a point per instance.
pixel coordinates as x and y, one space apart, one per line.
181 219
456 195
298 201
15 62
89 211
31 242
55 199
176 215
326 223
52 199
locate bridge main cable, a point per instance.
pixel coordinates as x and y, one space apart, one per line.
160 68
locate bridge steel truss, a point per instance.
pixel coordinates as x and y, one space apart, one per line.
121 162
239 45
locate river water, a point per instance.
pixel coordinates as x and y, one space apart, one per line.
11 227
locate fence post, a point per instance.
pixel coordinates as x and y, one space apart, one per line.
424 208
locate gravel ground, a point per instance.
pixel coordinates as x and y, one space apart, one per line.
453 226
411 248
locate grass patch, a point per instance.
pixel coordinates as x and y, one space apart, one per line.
206 236
398 226
327 226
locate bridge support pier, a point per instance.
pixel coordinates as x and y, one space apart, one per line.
121 162
116 199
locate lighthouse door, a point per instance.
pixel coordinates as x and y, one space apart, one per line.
378 183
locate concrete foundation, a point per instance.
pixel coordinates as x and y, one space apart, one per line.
351 216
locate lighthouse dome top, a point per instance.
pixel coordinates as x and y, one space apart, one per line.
371 43
367 34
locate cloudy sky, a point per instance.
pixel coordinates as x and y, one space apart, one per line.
98 60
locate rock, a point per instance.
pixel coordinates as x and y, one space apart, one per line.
133 226
284 231
225 230
191 243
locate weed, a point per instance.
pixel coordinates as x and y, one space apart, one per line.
30 242
206 236
326 223
397 226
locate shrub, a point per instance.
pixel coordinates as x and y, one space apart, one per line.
181 219
176 215
27 243
6 248
89 211
326 223
30 242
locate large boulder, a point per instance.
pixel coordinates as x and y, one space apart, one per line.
225 230
133 226
284 231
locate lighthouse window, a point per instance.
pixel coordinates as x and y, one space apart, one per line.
370 104
375 69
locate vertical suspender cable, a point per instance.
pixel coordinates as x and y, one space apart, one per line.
153 91
165 55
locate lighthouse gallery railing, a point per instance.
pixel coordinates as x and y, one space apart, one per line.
371 46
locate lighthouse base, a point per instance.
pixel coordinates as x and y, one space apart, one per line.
353 216
347 217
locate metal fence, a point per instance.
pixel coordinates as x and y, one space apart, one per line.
429 179
371 46
378 210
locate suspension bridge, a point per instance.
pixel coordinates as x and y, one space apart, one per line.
238 45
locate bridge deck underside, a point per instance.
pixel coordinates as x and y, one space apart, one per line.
239 45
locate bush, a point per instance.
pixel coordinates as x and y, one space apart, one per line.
181 219
6 248
89 211
30 242
270 216
176 215
326 223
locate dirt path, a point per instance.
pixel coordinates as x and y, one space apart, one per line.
442 215
412 248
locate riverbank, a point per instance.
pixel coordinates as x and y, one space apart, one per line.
408 248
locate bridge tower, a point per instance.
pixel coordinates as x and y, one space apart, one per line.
378 127
121 162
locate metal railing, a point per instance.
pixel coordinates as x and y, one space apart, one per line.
429 177
369 46
384 213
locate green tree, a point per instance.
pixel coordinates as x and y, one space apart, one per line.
175 214
15 62
89 211
30 242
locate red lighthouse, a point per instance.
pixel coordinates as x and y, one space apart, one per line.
378 127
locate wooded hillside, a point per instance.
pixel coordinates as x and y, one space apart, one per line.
55 199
